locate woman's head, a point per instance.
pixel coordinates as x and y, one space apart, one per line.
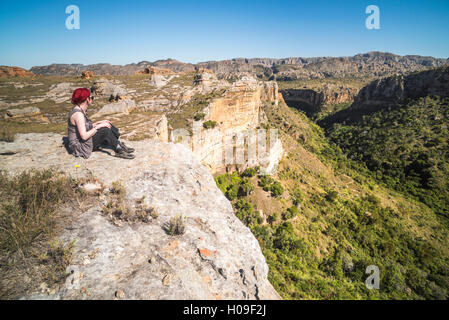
81 95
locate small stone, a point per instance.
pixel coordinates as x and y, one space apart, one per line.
119 294
43 287
93 254
167 279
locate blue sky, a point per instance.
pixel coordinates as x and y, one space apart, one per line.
122 32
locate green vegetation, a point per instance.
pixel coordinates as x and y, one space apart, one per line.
199 116
336 220
405 147
209 124
175 226
29 222
118 208
269 184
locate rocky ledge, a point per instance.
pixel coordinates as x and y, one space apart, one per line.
216 258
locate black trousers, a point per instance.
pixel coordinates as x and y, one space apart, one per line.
106 136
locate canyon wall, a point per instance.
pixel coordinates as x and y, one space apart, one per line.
237 115
311 101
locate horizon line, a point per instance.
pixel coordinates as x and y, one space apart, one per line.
235 58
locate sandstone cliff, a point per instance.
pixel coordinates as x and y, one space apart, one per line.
216 258
6 72
311 101
398 89
391 91
237 112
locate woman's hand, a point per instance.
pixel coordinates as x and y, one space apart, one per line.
103 125
102 121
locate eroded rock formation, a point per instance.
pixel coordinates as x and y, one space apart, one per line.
311 101
7 72
87 74
237 112
391 91
27 114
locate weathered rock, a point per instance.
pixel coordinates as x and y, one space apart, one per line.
391 91
237 112
160 71
156 127
61 92
159 103
216 258
204 78
28 114
159 80
87 74
311 101
397 89
106 88
7 72
371 64
123 106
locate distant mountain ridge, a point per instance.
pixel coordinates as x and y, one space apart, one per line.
371 64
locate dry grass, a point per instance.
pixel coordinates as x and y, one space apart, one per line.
175 226
29 219
119 209
10 128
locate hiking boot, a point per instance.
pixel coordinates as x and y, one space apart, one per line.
121 153
127 149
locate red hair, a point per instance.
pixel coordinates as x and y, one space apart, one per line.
80 95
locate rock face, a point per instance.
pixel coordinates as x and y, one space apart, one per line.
107 88
158 80
390 91
160 71
311 101
216 258
155 127
237 113
7 72
28 114
397 89
87 74
123 106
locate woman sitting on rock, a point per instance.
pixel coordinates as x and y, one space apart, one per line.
85 136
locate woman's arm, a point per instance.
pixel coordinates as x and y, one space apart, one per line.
80 123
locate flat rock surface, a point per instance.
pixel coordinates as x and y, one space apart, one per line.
216 258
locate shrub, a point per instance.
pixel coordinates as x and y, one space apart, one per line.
209 124
331 195
290 213
247 214
175 226
276 189
285 238
250 172
199 116
245 188
265 181
297 197
232 192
